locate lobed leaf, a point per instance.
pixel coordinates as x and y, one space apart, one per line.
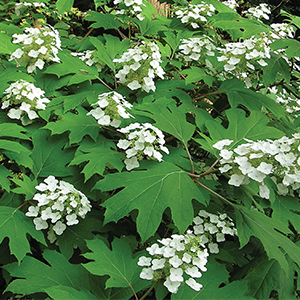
49 155
253 223
64 6
170 119
117 263
66 292
237 26
291 46
286 209
276 70
98 155
215 276
195 74
15 225
70 65
4 181
251 128
151 192
6 46
267 276
107 21
79 125
26 187
238 95
76 236
34 276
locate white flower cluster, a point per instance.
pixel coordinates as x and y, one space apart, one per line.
241 56
19 6
25 99
289 102
140 66
88 58
279 31
181 259
283 30
143 140
110 108
212 229
196 14
231 4
278 159
195 48
60 204
38 46
131 8
261 11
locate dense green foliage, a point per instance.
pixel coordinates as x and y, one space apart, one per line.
122 127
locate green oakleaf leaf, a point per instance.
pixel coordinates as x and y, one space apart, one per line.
4 181
26 187
98 155
195 74
13 146
117 263
150 27
253 101
91 95
15 225
284 209
70 65
66 292
267 276
294 19
10 29
50 83
64 6
237 26
79 125
102 53
6 46
253 223
107 21
49 155
291 46
13 130
251 128
13 149
9 73
170 119
16 151
151 192
77 236
173 89
175 40
38 276
212 279
276 70
11 199
112 48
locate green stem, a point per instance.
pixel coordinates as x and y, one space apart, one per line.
149 290
209 94
209 171
104 83
18 65
213 192
190 158
203 174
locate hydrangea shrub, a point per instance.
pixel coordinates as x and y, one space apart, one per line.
148 154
